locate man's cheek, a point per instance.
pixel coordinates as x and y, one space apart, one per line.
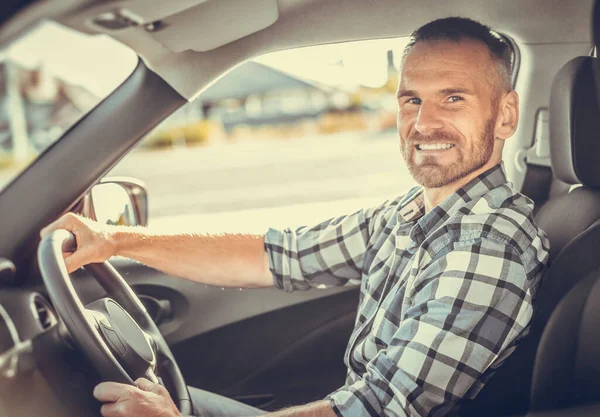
404 119
405 146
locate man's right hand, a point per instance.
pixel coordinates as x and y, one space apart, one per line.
95 241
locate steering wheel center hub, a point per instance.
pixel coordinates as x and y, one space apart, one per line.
125 338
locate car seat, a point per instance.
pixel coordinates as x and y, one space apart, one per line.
572 224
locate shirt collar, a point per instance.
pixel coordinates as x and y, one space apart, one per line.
413 208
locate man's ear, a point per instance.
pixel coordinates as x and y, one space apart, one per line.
508 116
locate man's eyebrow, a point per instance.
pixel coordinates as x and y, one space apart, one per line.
406 93
450 91
444 92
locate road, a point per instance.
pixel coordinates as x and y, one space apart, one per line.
269 173
251 184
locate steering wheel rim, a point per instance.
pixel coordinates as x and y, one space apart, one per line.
87 326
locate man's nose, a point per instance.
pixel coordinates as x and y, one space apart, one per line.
428 119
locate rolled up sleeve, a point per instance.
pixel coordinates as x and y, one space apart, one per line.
328 254
467 306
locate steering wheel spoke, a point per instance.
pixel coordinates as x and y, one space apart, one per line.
151 376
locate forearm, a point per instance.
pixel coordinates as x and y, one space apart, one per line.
223 260
317 409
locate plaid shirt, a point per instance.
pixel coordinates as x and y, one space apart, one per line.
445 296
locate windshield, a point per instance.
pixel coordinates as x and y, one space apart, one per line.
49 78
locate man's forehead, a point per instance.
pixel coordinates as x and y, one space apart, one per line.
448 49
446 62
436 79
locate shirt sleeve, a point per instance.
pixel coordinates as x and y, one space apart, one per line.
328 254
466 307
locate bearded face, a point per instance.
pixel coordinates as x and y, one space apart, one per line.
442 158
448 105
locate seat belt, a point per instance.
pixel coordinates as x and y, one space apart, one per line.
535 162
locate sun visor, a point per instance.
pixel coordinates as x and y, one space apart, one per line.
143 11
198 25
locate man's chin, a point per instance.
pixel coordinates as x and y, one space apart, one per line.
435 176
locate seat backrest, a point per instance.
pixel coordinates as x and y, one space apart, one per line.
570 222
575 153
565 217
567 365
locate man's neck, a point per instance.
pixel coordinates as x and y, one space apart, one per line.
434 196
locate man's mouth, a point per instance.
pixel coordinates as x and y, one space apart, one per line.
433 146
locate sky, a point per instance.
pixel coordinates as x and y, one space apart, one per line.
100 64
345 65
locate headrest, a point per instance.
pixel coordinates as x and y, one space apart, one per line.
575 124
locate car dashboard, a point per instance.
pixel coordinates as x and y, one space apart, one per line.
40 373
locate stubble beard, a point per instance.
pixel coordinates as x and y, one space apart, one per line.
431 174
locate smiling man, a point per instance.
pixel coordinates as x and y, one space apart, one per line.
448 271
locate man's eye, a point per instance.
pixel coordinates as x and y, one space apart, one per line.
454 99
414 100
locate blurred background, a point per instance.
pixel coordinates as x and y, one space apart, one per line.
289 138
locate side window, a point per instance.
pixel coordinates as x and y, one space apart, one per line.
290 138
50 77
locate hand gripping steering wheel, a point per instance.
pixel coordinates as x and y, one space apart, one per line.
116 333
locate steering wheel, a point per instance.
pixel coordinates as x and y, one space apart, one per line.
116 333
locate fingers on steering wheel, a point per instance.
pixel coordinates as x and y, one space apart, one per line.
113 410
110 391
146 385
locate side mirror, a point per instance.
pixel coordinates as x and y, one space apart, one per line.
119 201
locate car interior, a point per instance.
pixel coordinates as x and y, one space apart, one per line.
56 334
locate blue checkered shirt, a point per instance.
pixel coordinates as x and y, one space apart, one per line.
445 296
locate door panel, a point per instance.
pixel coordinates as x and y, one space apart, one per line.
294 354
262 346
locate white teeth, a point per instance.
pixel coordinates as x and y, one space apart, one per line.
434 146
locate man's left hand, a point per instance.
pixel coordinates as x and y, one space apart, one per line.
146 399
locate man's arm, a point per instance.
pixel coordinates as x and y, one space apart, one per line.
223 260
231 260
328 254
299 258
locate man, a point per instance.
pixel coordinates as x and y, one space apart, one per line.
448 272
